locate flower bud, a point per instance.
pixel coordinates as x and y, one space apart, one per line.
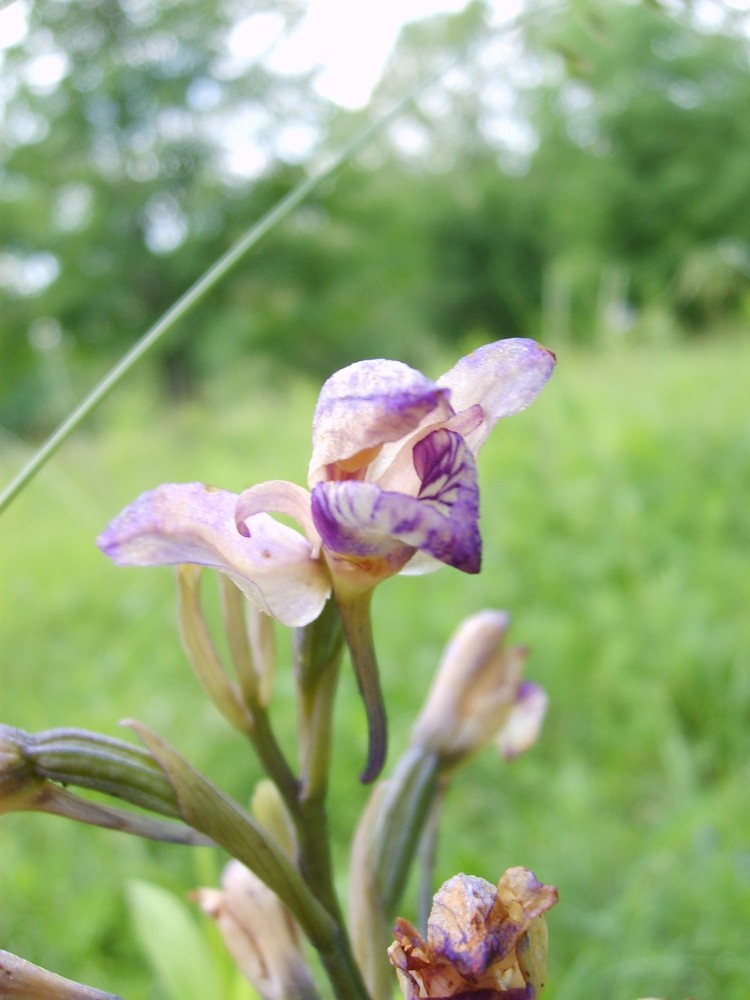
475 690
481 939
270 811
260 934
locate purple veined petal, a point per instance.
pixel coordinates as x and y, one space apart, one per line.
504 378
356 520
367 405
361 521
279 497
393 469
194 523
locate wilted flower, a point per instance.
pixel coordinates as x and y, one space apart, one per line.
392 474
482 941
478 695
260 934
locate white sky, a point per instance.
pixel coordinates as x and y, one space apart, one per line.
351 39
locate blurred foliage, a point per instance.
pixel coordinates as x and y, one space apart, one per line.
577 175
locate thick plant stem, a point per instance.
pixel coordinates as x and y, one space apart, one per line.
273 760
343 971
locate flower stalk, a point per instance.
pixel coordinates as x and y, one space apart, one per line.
208 810
392 486
355 613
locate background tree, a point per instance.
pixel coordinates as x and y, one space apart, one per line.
562 177
640 158
132 132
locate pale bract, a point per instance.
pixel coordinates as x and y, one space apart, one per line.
392 487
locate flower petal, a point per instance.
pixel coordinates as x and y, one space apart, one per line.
360 521
503 378
366 405
194 523
524 724
457 929
279 497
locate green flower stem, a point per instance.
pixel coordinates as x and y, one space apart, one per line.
312 827
273 760
426 857
197 292
318 650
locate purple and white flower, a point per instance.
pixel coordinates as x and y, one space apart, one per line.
393 486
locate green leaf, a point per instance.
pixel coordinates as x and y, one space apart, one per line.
173 942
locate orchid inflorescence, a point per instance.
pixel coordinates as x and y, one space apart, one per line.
392 488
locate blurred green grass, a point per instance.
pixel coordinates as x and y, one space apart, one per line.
615 521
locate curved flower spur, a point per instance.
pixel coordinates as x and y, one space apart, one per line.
393 487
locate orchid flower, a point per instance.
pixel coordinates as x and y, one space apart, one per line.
393 487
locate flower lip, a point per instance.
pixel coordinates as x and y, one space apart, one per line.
359 520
